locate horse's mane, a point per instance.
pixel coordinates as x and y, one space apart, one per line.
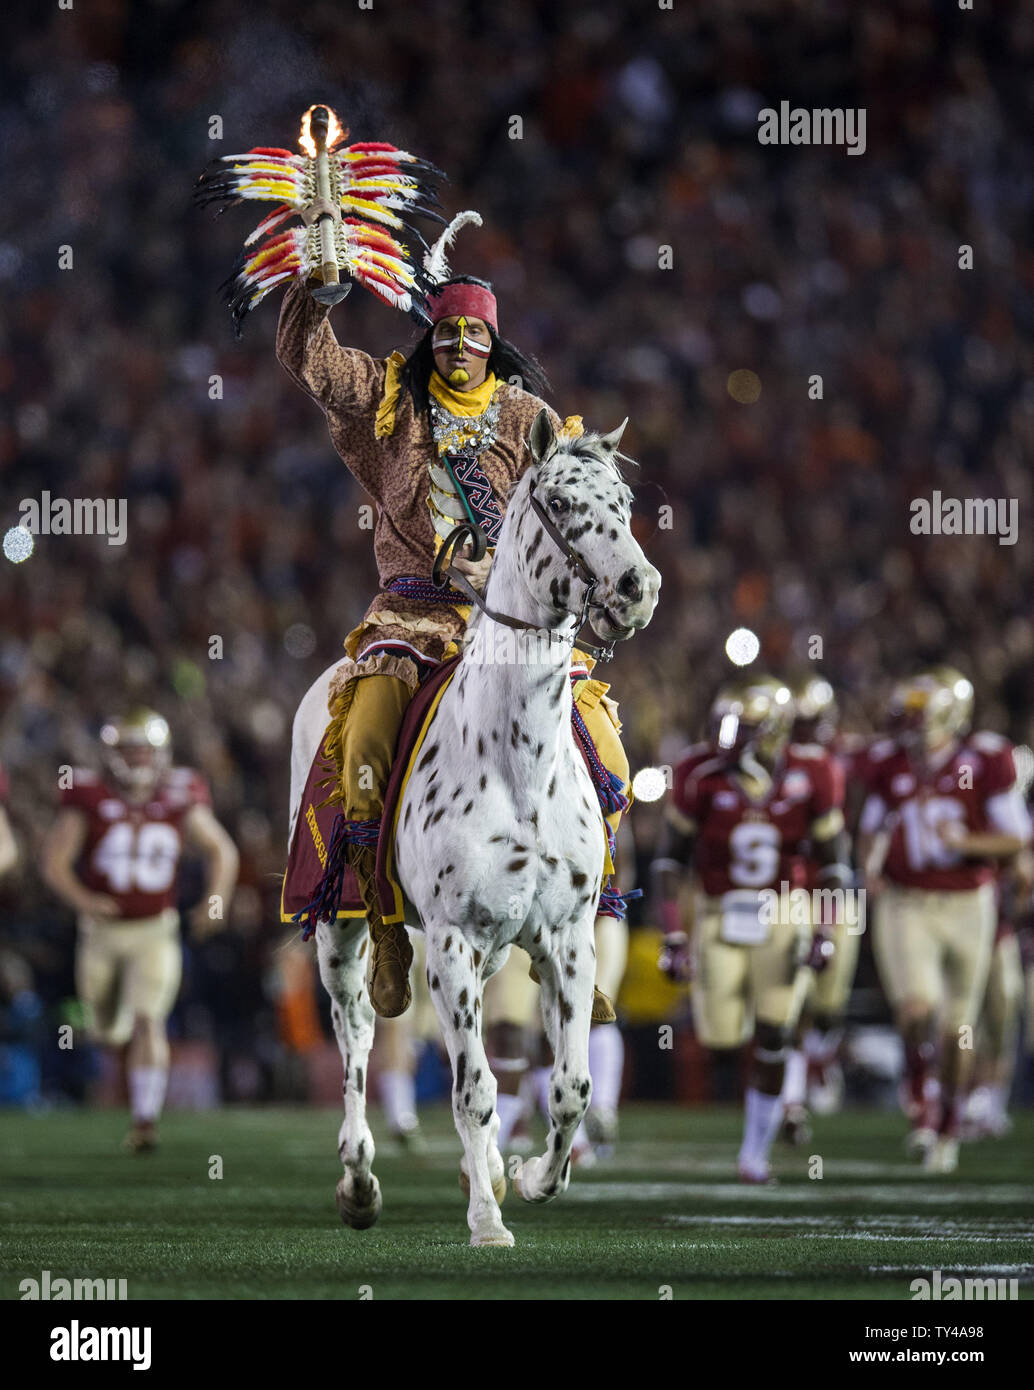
587 446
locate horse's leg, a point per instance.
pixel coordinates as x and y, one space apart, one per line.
456 985
566 967
341 947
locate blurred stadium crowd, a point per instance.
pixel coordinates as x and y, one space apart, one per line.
790 515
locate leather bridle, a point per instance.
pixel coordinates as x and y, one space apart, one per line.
443 573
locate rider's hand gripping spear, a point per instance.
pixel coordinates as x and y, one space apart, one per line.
353 202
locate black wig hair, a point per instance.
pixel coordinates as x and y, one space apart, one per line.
505 360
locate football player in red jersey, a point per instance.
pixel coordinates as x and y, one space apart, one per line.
8 848
742 808
942 813
813 1072
113 856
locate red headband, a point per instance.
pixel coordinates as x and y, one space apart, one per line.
474 300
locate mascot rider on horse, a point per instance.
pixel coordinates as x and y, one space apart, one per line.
435 439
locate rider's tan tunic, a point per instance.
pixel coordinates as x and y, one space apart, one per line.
349 386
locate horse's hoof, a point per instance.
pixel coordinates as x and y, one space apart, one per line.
522 1184
516 1180
503 1238
498 1187
360 1215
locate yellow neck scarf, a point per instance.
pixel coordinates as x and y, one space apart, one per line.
474 402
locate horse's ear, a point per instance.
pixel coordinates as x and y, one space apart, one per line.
542 439
611 441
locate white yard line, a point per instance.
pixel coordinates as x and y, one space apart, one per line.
690 1165
877 1236
968 1268
832 1228
801 1193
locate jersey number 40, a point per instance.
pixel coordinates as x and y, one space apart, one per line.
143 858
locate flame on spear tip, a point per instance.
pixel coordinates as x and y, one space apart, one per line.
334 132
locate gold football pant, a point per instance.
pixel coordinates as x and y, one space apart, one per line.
125 970
935 949
735 987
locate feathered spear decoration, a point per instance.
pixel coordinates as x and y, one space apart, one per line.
353 201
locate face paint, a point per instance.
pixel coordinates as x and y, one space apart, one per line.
460 342
447 343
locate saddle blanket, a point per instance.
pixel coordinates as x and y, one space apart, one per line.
314 829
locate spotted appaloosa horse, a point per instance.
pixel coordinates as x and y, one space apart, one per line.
500 839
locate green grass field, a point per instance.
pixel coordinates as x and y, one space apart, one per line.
665 1210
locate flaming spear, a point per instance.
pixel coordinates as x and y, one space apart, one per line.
332 291
351 200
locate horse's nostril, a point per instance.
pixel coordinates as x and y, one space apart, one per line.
630 587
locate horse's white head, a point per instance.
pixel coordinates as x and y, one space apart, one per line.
579 484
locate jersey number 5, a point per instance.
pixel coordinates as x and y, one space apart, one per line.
754 854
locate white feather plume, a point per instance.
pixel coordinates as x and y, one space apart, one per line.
435 263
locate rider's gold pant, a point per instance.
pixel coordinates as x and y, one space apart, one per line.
371 709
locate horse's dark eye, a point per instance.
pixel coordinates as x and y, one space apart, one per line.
557 506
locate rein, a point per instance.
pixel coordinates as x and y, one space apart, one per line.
442 574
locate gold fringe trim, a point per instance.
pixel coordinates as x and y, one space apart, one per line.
340 706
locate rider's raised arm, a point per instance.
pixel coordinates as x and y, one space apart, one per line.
337 378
